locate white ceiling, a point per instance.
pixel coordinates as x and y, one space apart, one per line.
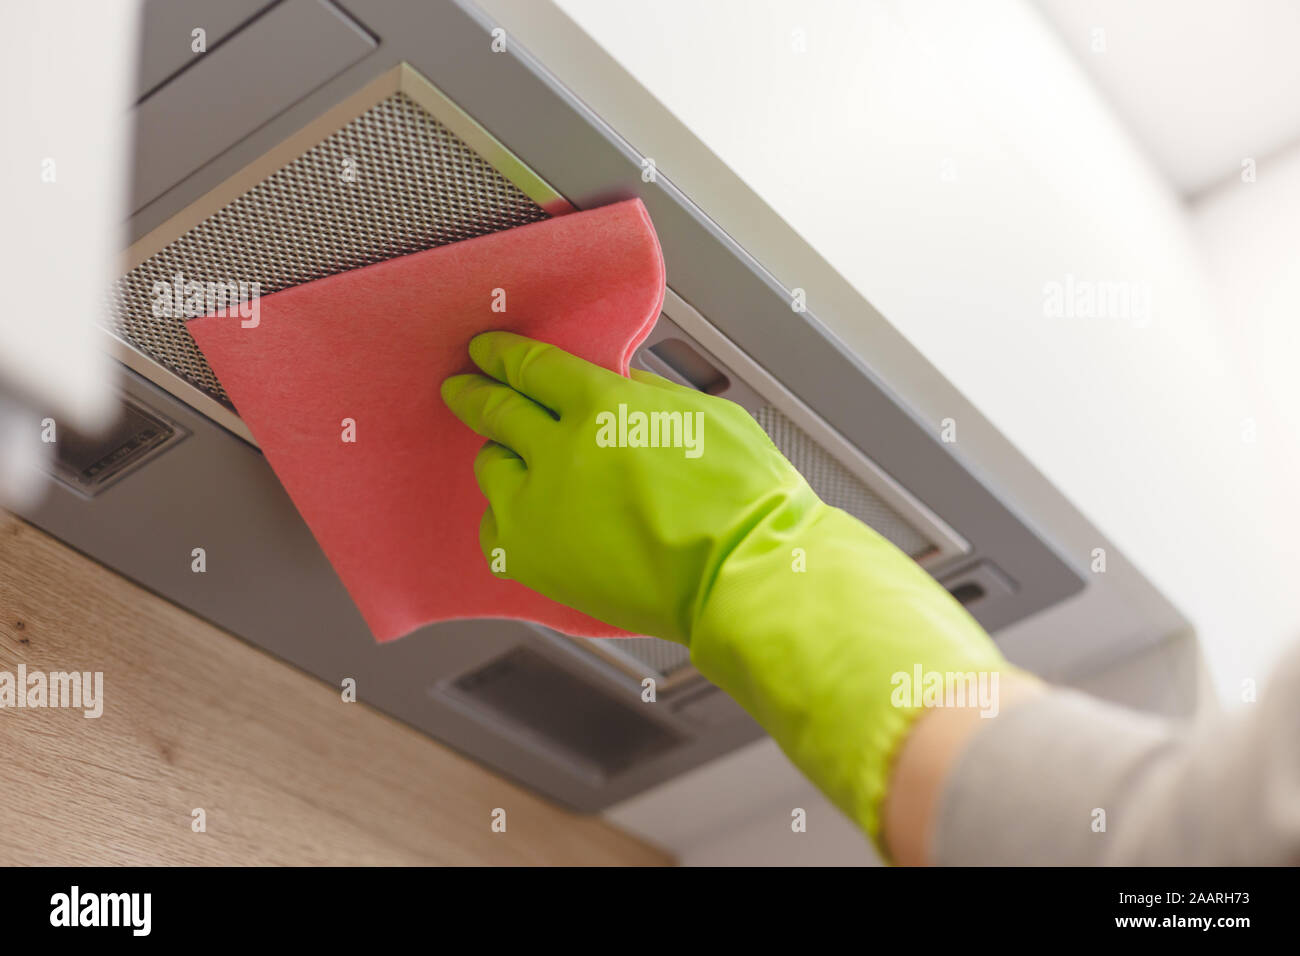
1202 84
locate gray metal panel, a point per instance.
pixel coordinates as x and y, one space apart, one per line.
166 46
234 89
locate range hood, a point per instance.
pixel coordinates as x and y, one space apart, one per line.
309 140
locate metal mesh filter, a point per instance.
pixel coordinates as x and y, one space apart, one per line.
836 485
392 182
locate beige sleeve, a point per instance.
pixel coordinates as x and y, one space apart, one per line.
1028 787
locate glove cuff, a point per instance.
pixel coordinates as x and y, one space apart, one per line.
819 627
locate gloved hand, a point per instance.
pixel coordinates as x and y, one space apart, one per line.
798 610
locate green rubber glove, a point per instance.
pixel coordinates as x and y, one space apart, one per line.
798 610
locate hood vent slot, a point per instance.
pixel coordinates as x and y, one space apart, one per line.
523 695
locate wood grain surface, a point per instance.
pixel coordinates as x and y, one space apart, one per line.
284 770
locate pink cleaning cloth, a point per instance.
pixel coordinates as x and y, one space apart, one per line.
397 511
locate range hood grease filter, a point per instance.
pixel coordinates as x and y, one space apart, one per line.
414 184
